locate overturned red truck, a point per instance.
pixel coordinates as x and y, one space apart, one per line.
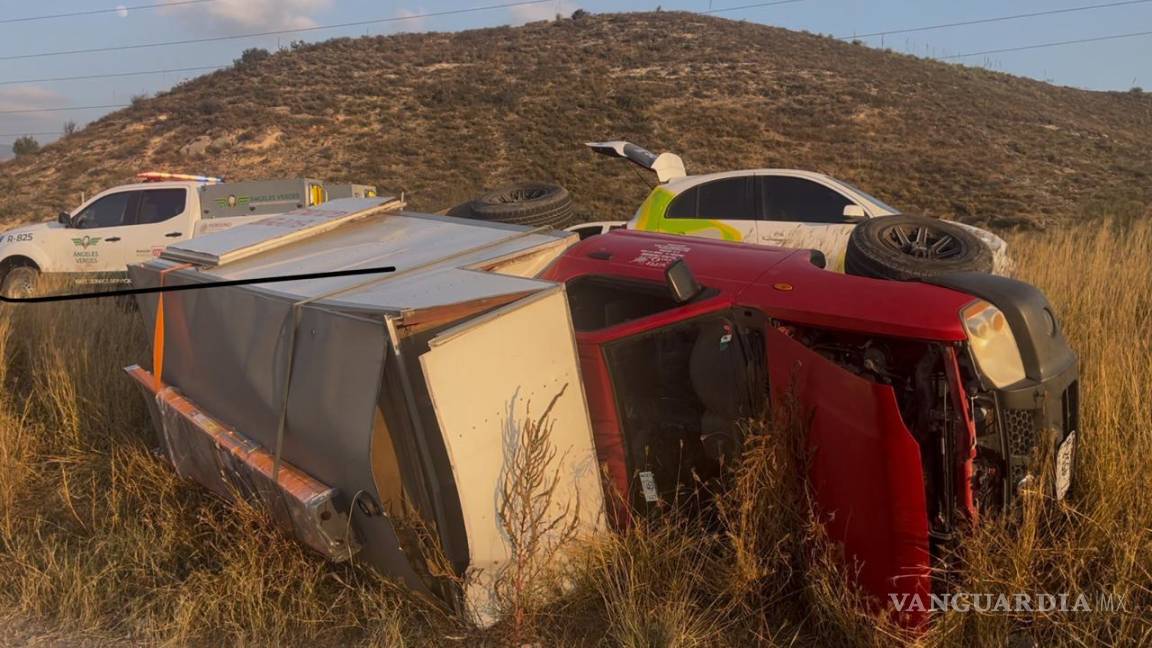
375 416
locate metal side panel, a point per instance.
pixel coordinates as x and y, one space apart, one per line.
485 378
275 231
232 466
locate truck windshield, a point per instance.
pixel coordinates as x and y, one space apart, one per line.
681 393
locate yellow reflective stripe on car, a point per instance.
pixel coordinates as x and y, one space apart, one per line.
652 211
651 219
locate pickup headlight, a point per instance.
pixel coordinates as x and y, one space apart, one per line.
993 345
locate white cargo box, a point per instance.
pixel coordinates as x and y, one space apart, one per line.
403 392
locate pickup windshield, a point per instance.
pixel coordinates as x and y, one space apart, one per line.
682 391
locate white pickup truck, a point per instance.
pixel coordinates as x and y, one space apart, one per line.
133 223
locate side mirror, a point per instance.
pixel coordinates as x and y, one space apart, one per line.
681 282
854 214
64 218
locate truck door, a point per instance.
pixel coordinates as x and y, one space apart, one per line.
865 470
162 217
98 235
485 378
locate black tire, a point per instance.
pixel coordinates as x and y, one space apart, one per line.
20 282
534 204
908 248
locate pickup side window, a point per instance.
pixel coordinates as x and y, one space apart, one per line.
109 211
159 205
797 200
724 199
600 302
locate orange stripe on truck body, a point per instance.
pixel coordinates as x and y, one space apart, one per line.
235 467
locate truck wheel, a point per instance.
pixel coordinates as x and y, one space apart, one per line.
907 248
534 204
20 282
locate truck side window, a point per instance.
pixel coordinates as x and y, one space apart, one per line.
158 205
109 211
600 302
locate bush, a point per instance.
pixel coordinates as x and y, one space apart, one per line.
26 145
210 106
251 56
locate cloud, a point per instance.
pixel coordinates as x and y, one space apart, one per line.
234 16
412 25
543 11
27 97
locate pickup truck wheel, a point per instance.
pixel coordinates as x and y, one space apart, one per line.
20 282
534 204
908 248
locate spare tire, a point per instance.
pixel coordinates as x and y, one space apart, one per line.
907 248
534 204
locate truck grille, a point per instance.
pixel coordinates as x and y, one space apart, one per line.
1020 429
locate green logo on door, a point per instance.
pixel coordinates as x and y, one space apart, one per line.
87 241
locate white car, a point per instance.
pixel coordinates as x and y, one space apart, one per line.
855 231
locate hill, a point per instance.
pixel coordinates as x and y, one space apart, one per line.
442 115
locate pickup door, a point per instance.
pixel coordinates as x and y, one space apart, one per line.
865 471
125 227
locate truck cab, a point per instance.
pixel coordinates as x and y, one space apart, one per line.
908 392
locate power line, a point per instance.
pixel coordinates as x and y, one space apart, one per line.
1045 45
40 134
984 21
760 4
216 39
60 109
94 12
115 75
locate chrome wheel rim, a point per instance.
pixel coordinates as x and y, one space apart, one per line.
922 241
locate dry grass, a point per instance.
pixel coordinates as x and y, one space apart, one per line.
101 544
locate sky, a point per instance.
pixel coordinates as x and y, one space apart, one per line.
1105 65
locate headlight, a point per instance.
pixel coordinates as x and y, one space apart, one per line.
993 344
